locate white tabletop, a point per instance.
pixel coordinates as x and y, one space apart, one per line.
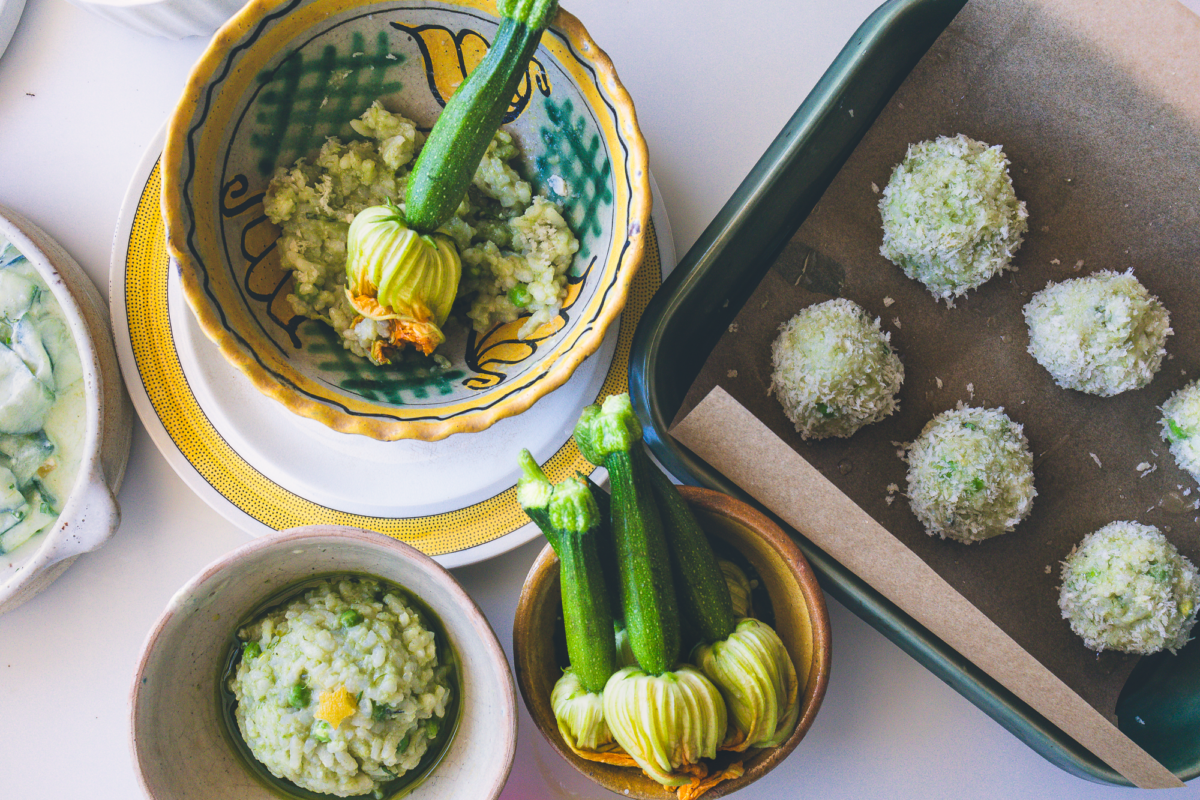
79 100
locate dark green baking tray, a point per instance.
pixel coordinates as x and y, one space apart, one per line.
1160 706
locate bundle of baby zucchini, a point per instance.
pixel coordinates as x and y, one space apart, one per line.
626 698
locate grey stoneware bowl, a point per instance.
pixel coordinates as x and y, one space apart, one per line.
181 747
90 514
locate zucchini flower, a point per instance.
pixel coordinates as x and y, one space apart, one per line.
665 722
758 681
398 276
580 714
739 587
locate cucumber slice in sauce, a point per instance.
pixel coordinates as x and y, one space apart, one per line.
27 343
56 338
16 295
11 498
24 400
26 454
38 518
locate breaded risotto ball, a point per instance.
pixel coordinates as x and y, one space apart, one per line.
970 474
834 370
1125 587
1181 427
950 216
1103 334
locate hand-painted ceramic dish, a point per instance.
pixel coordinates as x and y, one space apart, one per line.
182 747
90 514
282 76
800 619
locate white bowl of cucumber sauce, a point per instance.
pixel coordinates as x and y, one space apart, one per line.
65 421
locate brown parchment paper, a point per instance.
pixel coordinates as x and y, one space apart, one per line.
1097 104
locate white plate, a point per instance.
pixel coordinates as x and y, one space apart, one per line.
265 468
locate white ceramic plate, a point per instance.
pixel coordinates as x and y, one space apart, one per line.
267 469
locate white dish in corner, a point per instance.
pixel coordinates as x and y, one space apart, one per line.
173 19
90 514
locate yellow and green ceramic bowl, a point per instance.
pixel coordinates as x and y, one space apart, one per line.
281 77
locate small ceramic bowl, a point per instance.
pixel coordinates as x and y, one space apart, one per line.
281 77
90 514
801 621
180 746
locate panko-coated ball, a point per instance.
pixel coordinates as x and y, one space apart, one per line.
834 370
1102 334
951 219
1125 587
1181 427
970 474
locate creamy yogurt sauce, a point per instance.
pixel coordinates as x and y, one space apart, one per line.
43 414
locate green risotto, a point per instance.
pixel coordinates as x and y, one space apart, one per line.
343 690
516 248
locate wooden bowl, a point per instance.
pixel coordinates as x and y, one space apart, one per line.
801 621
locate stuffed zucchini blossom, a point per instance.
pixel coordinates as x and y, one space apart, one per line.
401 280
758 681
665 722
580 714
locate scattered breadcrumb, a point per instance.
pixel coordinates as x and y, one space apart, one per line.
1055 261
1096 458
892 488
896 321
1048 570
939 382
874 187
1150 468
971 390
733 327
887 302
1142 466
1078 265
390 56
731 374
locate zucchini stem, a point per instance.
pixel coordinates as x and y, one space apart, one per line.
533 494
587 616
460 137
610 436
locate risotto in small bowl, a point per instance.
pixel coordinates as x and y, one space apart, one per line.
323 662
